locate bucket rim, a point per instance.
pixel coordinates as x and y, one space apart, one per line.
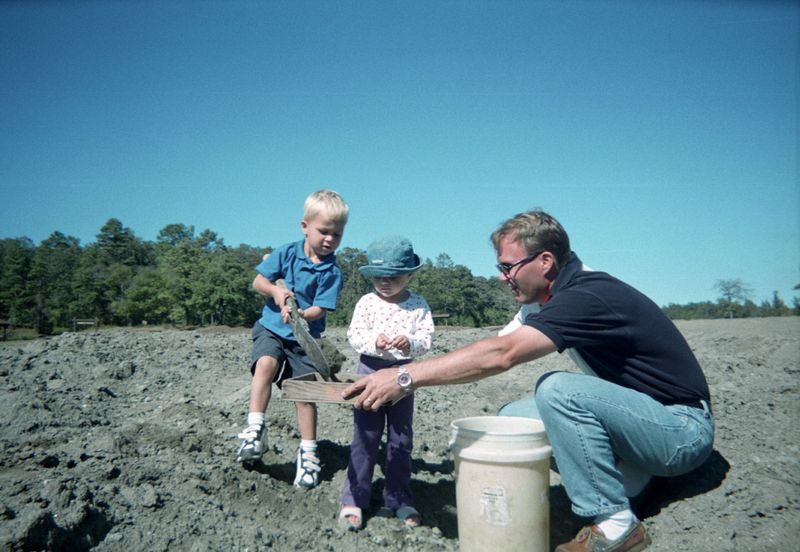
462 425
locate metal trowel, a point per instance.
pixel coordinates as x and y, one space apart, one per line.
304 338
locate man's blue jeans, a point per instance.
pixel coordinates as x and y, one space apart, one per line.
594 426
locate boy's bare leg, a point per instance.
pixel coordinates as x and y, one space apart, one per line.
254 436
261 385
307 420
308 467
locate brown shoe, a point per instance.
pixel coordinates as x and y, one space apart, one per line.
591 539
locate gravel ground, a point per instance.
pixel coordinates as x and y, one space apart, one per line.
123 440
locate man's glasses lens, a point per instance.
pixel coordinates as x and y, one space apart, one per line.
506 268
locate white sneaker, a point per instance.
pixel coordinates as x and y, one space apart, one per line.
308 469
254 443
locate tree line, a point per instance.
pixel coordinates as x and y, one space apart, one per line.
735 301
189 279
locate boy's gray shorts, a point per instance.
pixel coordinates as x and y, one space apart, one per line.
293 359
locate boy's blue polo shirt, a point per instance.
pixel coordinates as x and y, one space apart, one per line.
313 284
623 335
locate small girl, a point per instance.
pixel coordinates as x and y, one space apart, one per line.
390 326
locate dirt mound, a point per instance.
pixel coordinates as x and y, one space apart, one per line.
125 440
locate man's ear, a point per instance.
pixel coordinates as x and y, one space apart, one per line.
549 262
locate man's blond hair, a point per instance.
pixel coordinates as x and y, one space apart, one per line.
327 203
535 231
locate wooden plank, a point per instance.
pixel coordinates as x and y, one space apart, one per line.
84 322
313 390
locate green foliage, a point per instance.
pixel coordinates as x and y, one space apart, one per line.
187 279
453 290
17 305
146 299
355 285
56 256
88 284
734 290
449 289
734 302
730 309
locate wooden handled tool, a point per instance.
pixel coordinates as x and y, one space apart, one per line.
304 338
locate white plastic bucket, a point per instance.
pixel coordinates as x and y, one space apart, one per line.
502 484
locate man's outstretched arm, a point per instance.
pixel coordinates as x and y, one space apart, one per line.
476 361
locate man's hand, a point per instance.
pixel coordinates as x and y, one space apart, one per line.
375 390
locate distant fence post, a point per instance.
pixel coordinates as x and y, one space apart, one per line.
76 322
440 316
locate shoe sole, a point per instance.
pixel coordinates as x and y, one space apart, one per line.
306 488
250 458
346 526
248 461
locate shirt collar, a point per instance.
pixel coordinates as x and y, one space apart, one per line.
323 264
567 273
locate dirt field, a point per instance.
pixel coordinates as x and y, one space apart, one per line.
124 440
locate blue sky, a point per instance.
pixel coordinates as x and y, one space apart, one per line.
663 135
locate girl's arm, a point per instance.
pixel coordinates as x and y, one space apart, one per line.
360 334
421 339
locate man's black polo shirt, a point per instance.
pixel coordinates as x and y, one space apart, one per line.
623 336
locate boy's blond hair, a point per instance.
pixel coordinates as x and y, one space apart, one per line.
328 203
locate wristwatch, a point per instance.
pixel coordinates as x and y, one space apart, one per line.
404 380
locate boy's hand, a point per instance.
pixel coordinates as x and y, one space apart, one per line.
286 314
281 296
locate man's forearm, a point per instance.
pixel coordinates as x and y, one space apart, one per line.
476 361
481 359
473 362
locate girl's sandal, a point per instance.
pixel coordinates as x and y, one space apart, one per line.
350 518
410 516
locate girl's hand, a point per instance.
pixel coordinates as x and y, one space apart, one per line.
401 342
383 342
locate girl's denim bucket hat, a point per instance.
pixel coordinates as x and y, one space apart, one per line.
389 257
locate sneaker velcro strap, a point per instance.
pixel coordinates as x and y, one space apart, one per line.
309 461
250 433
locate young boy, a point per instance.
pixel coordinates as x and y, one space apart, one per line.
309 270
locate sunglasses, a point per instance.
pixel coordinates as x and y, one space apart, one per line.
506 268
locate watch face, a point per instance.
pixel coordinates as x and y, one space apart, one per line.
404 379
